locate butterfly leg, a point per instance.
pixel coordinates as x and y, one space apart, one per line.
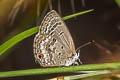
74 64
79 58
80 61
63 68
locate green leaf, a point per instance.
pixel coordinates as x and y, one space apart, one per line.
80 76
90 67
77 14
118 2
14 40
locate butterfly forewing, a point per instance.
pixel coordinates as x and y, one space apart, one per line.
53 45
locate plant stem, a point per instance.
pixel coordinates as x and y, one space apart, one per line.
90 67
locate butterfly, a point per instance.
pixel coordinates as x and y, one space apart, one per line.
53 44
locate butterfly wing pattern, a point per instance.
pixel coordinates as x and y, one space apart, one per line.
53 44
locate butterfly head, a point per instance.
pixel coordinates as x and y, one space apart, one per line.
74 60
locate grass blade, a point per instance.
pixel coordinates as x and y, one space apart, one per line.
77 14
14 40
90 67
81 76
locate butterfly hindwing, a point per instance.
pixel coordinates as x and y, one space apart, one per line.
53 45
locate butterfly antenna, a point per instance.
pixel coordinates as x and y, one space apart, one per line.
78 49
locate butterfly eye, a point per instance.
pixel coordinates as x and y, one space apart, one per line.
40 56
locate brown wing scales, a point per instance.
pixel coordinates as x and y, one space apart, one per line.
53 44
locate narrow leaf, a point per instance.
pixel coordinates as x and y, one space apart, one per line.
90 67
